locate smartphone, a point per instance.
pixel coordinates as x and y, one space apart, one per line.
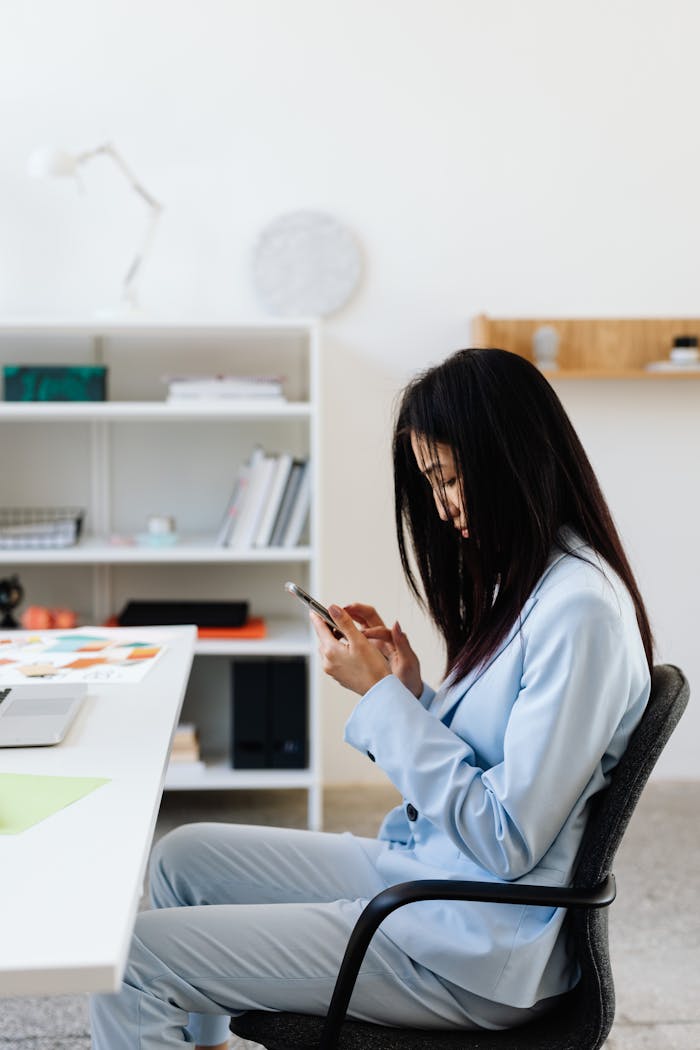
300 593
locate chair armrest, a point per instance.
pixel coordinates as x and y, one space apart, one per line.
443 889
494 892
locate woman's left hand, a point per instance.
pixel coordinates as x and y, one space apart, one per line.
353 661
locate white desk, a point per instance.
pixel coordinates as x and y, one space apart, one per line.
70 885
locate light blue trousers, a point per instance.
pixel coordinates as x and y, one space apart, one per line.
258 918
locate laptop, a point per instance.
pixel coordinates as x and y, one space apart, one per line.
38 715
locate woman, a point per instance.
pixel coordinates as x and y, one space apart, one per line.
548 672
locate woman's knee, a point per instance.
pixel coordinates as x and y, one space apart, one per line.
172 859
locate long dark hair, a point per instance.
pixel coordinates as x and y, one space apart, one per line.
525 476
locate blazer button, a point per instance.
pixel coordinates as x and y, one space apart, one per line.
371 757
411 811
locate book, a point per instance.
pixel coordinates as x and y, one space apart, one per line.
246 525
184 754
238 497
287 502
283 467
220 386
215 394
300 510
233 508
185 747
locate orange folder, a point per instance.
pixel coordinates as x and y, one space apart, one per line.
253 628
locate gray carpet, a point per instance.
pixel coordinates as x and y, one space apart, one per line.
654 924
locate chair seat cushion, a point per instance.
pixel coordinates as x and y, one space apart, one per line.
287 1031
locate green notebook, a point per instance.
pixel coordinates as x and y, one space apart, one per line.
25 799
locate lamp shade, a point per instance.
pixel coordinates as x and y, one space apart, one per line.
48 160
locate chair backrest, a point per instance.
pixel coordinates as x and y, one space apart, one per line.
593 998
614 807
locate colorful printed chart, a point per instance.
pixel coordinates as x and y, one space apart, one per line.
82 655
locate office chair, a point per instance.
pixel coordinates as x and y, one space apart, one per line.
583 1017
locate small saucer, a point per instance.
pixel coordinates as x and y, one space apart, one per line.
156 539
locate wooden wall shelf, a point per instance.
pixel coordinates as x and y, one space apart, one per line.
589 348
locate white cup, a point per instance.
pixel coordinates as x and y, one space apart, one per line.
160 525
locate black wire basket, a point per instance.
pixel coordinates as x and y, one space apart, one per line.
39 527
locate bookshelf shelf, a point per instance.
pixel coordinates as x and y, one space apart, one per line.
152 327
217 776
137 455
150 411
284 638
95 551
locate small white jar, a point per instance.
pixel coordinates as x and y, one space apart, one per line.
685 350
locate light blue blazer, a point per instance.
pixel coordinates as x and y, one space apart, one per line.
497 771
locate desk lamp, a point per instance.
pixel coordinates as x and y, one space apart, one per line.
51 161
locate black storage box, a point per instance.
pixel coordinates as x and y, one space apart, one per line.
269 714
167 613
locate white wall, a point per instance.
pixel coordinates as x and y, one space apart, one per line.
491 155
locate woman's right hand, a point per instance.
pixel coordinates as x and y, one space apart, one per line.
392 643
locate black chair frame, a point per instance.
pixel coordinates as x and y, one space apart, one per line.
447 890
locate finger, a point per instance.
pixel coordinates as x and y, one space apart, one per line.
400 639
365 614
387 649
346 623
323 631
380 634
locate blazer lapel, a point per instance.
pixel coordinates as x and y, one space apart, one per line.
454 693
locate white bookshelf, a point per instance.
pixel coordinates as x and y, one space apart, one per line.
135 455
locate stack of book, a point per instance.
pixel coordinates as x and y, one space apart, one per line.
220 387
270 502
185 749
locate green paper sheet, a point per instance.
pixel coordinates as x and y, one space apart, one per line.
25 799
